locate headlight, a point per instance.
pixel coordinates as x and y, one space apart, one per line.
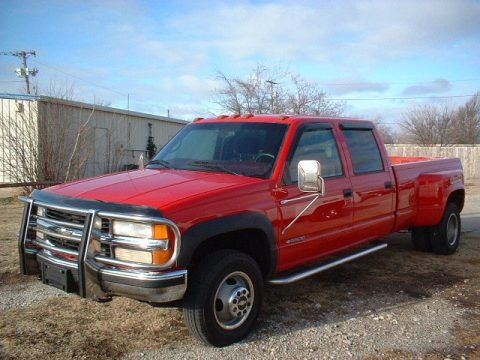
139 230
160 255
131 229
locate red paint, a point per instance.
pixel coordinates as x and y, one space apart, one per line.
418 194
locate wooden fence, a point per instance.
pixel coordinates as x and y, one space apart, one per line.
469 155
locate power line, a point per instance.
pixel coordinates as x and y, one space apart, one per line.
402 98
391 83
11 81
81 79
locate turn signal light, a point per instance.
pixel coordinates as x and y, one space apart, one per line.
139 256
161 256
160 232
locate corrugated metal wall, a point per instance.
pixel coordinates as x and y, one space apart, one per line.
469 155
18 139
101 139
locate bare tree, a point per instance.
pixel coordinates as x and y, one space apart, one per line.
388 135
274 90
428 125
307 98
466 129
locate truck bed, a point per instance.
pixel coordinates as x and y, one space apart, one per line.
421 188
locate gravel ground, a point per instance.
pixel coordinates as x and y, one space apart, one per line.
397 303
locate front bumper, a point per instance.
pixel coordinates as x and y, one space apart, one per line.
89 277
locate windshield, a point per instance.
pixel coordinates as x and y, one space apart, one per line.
248 149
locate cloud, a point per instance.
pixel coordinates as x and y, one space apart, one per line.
347 32
436 86
347 86
166 52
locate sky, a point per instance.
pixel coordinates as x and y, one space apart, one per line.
381 57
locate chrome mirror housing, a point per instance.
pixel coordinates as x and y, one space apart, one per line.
310 176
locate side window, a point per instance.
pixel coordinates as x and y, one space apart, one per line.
315 144
363 150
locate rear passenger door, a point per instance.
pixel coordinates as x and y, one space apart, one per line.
372 182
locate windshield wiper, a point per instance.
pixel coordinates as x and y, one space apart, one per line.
213 165
164 163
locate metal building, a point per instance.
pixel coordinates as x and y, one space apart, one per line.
50 139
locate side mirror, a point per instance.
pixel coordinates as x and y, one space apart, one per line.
310 177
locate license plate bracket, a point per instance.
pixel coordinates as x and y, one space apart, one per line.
58 277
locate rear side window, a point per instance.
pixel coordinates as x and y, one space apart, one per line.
364 150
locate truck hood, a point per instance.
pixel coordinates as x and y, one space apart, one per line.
157 188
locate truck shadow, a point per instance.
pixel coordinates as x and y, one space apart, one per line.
394 277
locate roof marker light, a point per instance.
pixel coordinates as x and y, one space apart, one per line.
222 116
197 119
247 115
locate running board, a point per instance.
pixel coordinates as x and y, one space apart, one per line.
302 275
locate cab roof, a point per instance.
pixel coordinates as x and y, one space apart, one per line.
278 118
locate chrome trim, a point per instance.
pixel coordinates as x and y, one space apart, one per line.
317 196
90 266
56 261
22 236
287 201
133 217
84 288
50 231
58 222
136 243
153 220
137 275
53 248
302 275
68 209
130 264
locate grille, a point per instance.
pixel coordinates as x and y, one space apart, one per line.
66 217
58 232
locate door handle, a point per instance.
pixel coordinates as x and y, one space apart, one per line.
347 192
388 185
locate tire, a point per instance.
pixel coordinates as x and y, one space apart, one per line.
447 234
422 238
223 298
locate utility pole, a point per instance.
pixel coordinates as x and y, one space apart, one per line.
24 71
273 94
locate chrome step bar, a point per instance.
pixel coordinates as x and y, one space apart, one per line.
304 274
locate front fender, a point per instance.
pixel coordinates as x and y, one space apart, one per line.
194 236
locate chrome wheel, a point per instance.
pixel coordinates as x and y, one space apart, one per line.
223 298
233 300
452 229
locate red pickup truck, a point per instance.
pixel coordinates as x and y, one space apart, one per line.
231 203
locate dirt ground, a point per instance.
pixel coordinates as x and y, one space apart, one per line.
398 303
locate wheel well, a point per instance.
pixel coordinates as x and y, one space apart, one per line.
252 242
458 198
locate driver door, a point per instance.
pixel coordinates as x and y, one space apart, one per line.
325 226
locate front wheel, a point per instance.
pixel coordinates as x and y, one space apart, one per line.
223 298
